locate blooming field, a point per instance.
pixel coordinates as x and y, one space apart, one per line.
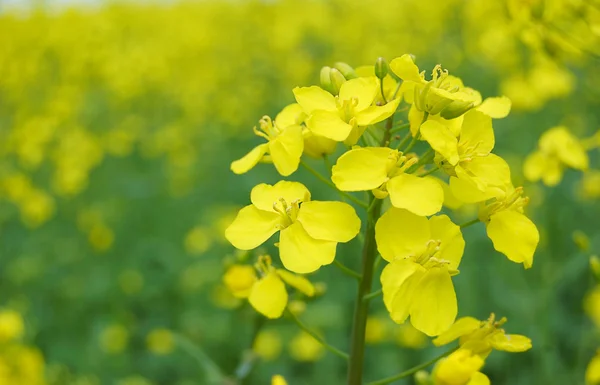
418 171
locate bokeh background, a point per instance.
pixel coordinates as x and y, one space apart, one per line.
118 121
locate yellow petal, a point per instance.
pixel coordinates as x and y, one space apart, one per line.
400 233
240 279
462 327
249 160
514 235
466 191
328 124
478 378
535 166
298 282
415 118
363 90
452 243
433 307
476 133
251 228
450 200
317 146
290 115
490 170
268 296
497 108
559 141
513 343
362 169
406 69
264 195
421 196
441 140
403 300
286 150
592 373
278 380
374 114
329 221
454 125
393 277
458 368
301 253
314 98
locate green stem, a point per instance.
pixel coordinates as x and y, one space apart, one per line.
400 128
211 369
424 159
430 171
469 223
248 361
417 134
346 269
373 295
381 89
357 344
404 141
330 184
412 370
314 335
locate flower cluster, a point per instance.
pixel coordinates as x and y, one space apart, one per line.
452 125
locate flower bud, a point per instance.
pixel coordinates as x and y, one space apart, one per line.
422 378
346 70
456 109
381 68
337 79
325 78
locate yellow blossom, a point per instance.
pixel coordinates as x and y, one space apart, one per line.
592 373
303 347
343 118
383 171
284 145
460 368
12 325
278 380
482 336
423 255
309 230
558 149
160 341
267 345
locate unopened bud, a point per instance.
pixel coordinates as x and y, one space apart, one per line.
595 266
325 77
456 109
337 79
422 378
381 68
346 70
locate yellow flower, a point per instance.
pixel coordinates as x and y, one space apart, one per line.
592 373
591 305
12 326
284 145
469 156
376 330
460 368
160 341
590 185
309 230
511 232
278 380
266 294
482 336
317 146
303 347
267 345
383 170
558 149
423 255
114 338
409 337
344 118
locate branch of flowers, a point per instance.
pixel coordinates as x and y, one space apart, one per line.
346 270
469 223
314 335
330 184
412 370
372 295
429 171
211 369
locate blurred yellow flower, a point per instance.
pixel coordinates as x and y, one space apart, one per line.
303 347
409 337
114 338
197 240
592 373
278 380
160 341
267 345
460 368
12 326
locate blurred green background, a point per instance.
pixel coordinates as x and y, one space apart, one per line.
118 122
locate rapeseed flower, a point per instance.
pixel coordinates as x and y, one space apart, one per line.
481 337
460 368
309 230
344 118
383 171
423 255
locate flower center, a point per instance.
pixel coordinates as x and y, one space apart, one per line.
268 129
347 109
288 212
513 201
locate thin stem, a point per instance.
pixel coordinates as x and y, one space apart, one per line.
359 323
346 270
469 223
249 359
430 171
400 127
211 369
330 184
423 160
417 134
314 335
412 370
382 92
404 141
327 163
373 295
397 89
